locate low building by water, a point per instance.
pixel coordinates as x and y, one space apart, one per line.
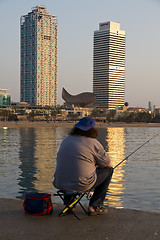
5 98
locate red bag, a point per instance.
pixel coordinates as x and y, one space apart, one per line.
38 204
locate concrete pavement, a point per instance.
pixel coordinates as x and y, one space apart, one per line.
118 224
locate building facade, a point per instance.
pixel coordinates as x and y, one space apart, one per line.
151 107
39 57
5 98
109 65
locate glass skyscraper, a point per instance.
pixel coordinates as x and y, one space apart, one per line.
39 57
109 66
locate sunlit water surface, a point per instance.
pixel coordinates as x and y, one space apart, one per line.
28 160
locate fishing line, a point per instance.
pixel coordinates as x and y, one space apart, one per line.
90 193
136 150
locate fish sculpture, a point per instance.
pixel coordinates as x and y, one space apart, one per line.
81 100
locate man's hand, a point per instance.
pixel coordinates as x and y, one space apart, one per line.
110 165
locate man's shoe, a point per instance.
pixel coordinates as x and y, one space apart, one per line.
100 210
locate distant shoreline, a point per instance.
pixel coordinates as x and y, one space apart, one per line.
71 124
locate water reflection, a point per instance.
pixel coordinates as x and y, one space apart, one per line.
45 154
116 145
9 162
38 150
28 159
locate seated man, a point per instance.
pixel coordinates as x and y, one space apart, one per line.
83 164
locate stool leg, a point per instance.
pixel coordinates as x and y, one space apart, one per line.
69 207
83 208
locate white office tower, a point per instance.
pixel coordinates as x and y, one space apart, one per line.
39 58
109 65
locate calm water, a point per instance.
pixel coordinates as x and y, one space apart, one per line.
28 155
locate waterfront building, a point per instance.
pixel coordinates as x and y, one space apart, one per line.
151 107
5 98
137 109
39 57
157 111
109 65
74 110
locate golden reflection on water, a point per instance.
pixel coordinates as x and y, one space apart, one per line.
38 152
45 153
47 143
116 145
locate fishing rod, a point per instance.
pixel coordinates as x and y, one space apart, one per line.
89 195
136 150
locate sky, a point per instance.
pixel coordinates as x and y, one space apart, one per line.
77 21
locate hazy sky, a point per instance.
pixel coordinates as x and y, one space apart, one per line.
77 21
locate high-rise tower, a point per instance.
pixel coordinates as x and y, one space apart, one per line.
39 57
109 65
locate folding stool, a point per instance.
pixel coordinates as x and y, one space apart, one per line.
76 197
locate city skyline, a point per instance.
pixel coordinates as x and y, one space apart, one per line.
77 22
109 65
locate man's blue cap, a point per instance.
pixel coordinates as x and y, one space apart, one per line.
85 123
